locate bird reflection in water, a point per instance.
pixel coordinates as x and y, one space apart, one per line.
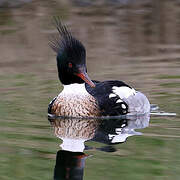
70 161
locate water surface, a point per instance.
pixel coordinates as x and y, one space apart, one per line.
134 41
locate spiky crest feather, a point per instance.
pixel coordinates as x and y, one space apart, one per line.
66 43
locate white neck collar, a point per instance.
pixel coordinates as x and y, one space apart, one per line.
75 89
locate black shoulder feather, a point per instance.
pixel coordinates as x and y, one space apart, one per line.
50 105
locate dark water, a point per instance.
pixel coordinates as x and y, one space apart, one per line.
136 41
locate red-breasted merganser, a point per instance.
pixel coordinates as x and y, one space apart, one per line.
82 97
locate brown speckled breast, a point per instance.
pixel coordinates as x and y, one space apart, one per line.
75 106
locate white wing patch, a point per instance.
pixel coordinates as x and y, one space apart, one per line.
123 91
112 95
119 100
123 106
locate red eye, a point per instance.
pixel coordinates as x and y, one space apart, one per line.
70 65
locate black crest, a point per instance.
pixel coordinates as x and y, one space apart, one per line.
65 44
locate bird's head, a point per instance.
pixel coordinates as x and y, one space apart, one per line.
71 57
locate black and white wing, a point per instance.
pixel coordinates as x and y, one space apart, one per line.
110 96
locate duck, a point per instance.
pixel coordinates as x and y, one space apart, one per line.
83 97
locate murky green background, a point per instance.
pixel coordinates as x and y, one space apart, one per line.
137 41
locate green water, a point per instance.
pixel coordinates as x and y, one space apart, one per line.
134 41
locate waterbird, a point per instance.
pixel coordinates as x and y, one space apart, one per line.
83 97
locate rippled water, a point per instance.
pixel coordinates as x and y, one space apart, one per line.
74 133
136 41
